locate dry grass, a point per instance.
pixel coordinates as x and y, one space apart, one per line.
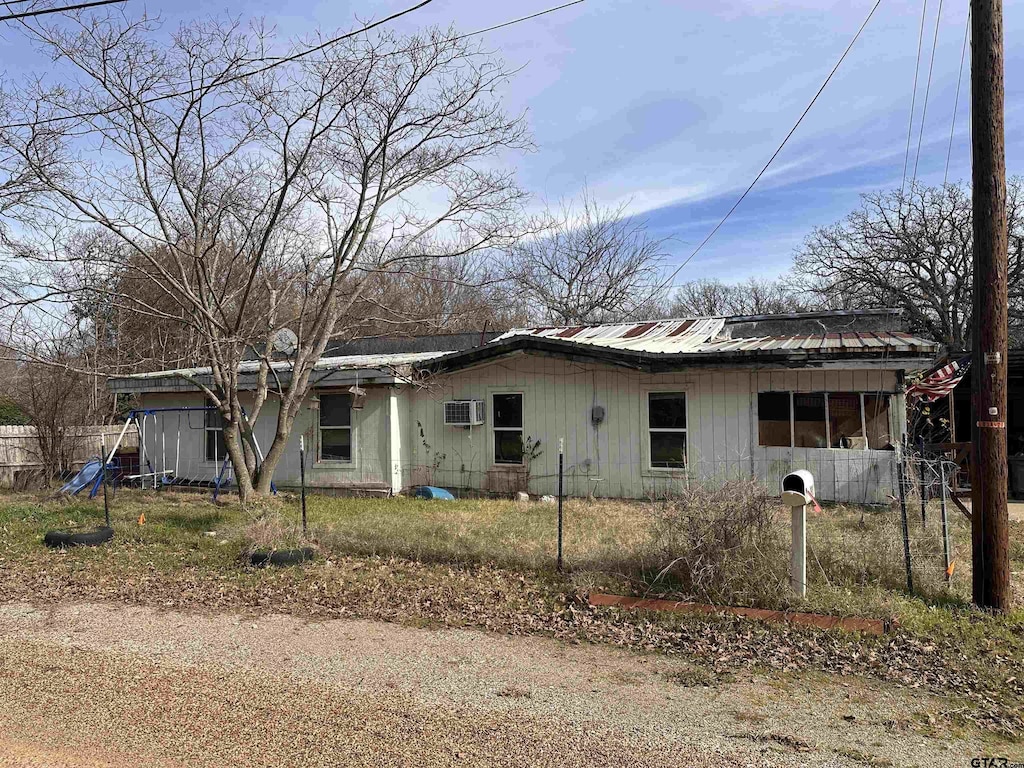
599 535
491 564
725 545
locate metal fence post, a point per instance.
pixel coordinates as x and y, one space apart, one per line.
561 466
302 478
906 528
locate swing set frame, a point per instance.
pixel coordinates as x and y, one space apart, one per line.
139 416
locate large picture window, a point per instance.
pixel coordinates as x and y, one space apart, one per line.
507 411
666 415
336 427
850 420
213 425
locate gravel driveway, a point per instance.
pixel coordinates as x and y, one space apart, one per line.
108 685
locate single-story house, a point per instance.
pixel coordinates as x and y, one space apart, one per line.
638 408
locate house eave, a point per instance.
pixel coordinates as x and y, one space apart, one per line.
177 383
661 362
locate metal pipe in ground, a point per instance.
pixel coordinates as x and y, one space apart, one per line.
945 527
302 478
906 528
561 467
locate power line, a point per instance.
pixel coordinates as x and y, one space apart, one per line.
278 61
780 147
913 101
927 90
956 100
226 81
59 9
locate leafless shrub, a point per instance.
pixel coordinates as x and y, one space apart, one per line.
267 529
720 544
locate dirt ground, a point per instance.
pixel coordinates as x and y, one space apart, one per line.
109 685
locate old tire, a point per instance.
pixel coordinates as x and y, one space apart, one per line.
64 539
262 558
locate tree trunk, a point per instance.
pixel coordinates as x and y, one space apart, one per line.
233 446
285 422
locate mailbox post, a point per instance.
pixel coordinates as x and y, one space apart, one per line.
797 494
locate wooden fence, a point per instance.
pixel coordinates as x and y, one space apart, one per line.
19 447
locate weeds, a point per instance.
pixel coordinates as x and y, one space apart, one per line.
720 544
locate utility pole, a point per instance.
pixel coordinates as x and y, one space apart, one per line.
989 522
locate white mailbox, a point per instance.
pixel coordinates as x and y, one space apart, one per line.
798 488
797 494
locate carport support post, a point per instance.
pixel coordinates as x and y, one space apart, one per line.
561 465
302 478
798 556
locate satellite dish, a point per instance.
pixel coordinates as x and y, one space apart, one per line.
285 341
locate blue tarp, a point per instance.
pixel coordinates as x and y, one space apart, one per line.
430 492
86 476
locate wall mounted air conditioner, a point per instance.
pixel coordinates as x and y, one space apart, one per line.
464 413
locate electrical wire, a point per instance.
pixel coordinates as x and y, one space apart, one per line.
278 61
775 154
927 90
913 103
58 9
275 63
956 100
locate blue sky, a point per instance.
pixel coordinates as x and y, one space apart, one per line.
675 106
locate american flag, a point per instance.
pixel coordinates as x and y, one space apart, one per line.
940 382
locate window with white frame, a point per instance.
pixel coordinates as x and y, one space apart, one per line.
666 422
336 427
844 420
507 424
213 426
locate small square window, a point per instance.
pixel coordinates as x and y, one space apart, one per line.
666 417
336 427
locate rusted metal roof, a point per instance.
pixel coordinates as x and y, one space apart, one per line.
709 335
891 341
657 336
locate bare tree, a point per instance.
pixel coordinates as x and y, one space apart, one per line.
589 264
53 398
249 202
914 252
440 295
709 298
